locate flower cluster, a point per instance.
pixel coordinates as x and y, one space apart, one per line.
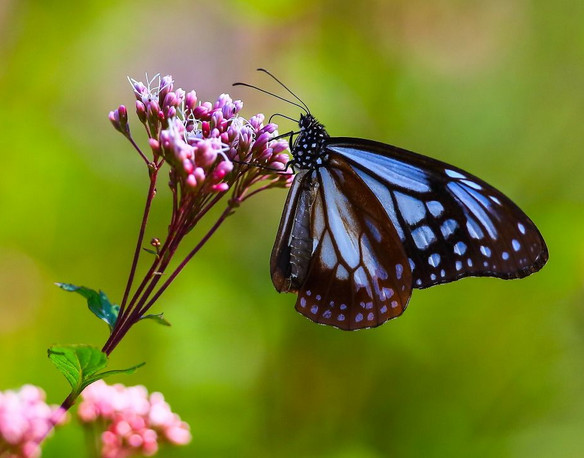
25 419
211 150
205 142
136 422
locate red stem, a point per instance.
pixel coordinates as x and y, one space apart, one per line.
139 309
138 249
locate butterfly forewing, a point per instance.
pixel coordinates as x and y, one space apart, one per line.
343 256
451 224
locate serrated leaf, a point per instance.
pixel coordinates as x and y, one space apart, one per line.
159 318
97 302
80 364
77 363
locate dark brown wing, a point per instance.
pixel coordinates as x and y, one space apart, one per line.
451 223
337 248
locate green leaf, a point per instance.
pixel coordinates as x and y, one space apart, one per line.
77 363
97 302
147 250
159 318
80 364
128 371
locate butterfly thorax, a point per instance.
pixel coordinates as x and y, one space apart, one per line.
308 149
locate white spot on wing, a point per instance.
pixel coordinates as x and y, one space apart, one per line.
460 248
399 270
474 229
516 245
360 278
412 209
472 184
342 273
448 227
327 252
453 174
435 207
423 237
434 259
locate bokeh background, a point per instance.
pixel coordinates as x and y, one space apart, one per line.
480 367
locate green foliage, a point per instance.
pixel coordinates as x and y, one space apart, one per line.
97 302
80 364
158 318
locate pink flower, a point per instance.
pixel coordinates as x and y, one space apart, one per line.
25 419
136 422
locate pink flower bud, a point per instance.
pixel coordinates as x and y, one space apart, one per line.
199 174
206 128
180 96
170 100
139 90
152 110
282 158
261 141
220 187
222 169
166 86
154 145
216 118
169 112
188 166
178 434
205 154
278 166
256 121
192 181
141 111
202 111
270 128
135 440
191 100
222 100
278 146
119 119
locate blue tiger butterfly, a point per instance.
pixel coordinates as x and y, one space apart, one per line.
366 222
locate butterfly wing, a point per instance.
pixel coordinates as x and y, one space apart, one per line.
337 248
451 223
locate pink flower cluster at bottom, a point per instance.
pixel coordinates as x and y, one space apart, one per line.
25 419
136 422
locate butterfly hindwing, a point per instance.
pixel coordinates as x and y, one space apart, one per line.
337 248
451 224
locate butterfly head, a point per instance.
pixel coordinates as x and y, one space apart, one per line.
308 149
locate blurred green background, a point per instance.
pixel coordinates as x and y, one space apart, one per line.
480 367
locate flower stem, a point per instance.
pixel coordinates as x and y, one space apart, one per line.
134 314
138 249
227 212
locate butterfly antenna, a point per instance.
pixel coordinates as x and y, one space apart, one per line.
285 87
272 94
282 116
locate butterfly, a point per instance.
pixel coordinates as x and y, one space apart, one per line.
366 222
